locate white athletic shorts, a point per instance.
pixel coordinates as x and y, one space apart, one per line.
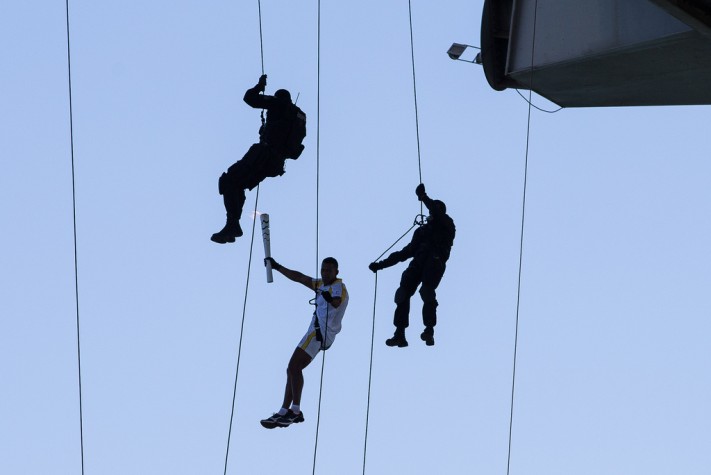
311 345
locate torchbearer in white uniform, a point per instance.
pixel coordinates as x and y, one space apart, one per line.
331 302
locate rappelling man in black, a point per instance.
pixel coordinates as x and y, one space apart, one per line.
279 138
429 249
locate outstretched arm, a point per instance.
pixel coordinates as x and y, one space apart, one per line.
290 274
394 258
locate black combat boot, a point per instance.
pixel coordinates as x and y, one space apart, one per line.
428 336
231 231
398 339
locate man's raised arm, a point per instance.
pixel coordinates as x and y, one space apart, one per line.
294 275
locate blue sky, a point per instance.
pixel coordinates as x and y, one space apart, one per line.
613 351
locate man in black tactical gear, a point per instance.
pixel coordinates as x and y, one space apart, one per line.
263 159
429 249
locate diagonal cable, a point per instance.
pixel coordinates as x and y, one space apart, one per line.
520 255
74 221
241 332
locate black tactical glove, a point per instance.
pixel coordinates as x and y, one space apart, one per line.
262 84
327 296
375 266
420 191
275 264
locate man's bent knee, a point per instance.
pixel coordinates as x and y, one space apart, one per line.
428 295
402 296
299 360
222 183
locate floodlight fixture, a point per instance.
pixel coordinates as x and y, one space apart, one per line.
457 49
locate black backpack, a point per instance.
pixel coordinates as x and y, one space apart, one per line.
297 132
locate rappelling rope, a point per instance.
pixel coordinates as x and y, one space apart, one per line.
241 331
372 342
74 218
370 371
261 48
520 256
419 220
318 137
261 41
249 268
414 90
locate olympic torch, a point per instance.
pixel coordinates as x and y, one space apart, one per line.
264 217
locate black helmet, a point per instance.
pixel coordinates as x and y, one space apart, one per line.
283 94
441 205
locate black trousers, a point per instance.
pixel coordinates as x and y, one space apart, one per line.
427 271
257 164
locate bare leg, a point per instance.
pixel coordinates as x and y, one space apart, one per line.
295 377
